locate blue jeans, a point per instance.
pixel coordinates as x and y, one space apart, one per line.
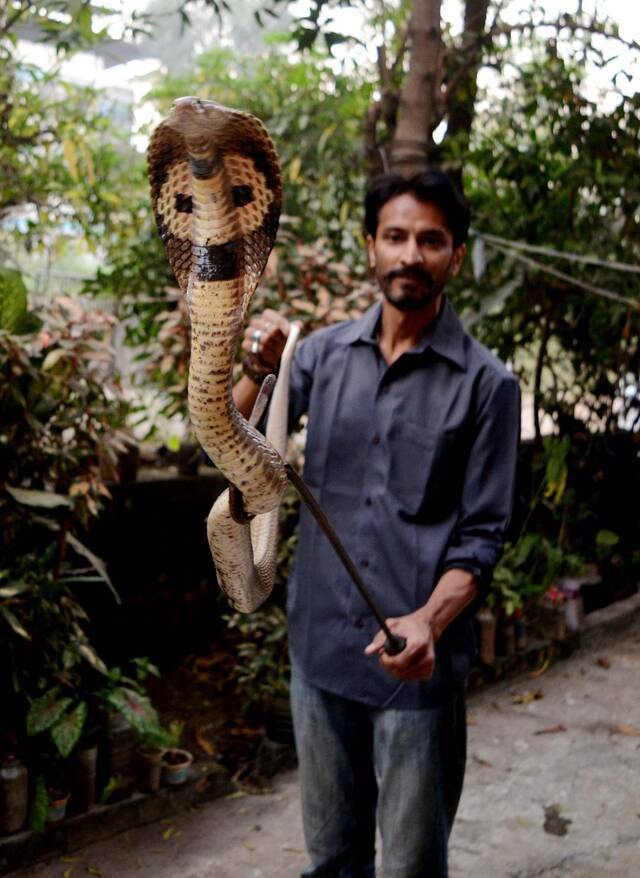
356 762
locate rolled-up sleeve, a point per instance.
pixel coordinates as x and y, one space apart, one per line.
489 484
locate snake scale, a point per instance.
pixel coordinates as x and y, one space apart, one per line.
216 193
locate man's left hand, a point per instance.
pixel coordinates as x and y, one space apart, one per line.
417 660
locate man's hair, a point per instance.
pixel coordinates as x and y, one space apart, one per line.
430 186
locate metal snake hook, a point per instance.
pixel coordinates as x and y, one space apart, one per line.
395 643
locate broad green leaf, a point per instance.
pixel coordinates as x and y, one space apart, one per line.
607 538
135 708
66 733
14 314
42 499
46 711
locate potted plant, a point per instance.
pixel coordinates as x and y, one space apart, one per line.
152 746
552 617
135 733
59 795
176 763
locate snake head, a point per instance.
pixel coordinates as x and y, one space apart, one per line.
196 117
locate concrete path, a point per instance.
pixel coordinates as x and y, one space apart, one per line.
552 791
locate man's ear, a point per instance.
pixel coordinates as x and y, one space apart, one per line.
371 251
457 259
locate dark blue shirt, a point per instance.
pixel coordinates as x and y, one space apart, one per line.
414 464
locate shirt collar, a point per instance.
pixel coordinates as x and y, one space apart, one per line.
445 336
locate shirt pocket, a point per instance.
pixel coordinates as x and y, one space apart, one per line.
426 470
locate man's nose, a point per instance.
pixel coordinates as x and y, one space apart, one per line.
411 252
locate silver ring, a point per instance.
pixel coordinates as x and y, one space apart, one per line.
256 335
255 347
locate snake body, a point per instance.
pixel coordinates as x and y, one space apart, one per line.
216 193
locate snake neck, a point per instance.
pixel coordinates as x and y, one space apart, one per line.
216 305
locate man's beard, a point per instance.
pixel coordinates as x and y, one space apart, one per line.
409 301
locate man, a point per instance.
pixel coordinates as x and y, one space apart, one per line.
411 446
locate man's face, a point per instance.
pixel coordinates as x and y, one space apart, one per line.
413 253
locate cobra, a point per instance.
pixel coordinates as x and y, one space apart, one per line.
216 193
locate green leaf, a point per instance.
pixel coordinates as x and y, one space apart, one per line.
90 655
294 168
42 499
71 159
54 357
79 547
607 539
39 805
12 590
135 708
97 563
46 711
13 623
66 733
14 314
328 132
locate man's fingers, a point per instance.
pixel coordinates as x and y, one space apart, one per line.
375 647
265 337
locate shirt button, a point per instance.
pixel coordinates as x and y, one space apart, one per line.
376 440
364 563
368 501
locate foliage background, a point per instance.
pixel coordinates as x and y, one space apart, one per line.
546 164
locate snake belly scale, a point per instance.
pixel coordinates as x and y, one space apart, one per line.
216 193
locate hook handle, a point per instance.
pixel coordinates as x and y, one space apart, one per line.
394 644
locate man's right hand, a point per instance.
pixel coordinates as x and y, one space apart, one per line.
267 348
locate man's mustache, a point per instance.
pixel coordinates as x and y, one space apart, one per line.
411 273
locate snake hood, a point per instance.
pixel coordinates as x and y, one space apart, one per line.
216 193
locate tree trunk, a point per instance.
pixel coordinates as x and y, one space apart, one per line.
409 151
463 77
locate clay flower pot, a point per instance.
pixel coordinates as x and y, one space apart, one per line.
83 778
57 805
175 766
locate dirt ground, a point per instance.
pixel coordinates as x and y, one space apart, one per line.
552 791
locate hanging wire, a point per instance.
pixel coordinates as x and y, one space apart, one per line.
559 254
540 266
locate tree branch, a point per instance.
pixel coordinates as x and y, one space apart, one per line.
563 22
